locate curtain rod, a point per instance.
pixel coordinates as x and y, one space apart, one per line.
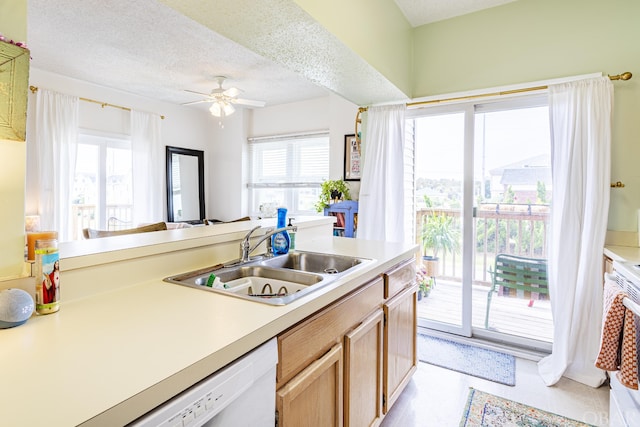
624 76
288 136
34 89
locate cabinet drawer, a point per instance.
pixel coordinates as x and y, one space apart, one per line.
308 340
399 277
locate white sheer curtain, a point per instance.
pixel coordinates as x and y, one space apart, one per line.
56 142
147 163
581 140
381 205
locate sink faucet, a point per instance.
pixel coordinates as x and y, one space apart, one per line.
246 248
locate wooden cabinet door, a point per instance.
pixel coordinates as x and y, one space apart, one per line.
314 396
400 335
311 338
363 373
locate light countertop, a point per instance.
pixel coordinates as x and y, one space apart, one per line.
623 253
106 359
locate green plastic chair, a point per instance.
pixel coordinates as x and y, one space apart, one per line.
520 273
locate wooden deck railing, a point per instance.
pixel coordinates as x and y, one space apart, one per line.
497 228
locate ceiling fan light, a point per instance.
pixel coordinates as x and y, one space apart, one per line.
216 109
228 109
221 109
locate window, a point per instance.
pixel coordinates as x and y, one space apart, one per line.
103 184
287 171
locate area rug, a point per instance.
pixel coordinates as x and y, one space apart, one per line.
486 410
467 359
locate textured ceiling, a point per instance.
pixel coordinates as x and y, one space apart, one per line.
146 48
271 49
420 12
281 31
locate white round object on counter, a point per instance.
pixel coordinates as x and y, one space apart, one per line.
16 306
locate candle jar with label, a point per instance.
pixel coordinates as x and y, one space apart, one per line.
47 276
38 235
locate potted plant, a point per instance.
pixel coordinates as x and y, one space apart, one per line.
441 236
425 283
332 190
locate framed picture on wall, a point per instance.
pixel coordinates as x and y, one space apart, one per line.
14 88
352 164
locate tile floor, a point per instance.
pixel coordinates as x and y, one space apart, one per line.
437 397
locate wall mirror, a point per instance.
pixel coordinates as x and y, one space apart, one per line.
185 185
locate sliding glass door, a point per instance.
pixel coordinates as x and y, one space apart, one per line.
439 201
483 186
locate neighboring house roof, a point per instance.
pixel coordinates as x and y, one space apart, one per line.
543 160
526 176
528 171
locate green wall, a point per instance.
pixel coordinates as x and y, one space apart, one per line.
13 25
531 40
13 19
375 29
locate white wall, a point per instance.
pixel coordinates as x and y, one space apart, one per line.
182 127
331 113
226 186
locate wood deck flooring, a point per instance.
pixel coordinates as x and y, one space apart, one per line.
509 315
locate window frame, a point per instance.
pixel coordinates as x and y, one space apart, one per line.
292 180
104 141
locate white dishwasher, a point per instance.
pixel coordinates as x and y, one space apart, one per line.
242 393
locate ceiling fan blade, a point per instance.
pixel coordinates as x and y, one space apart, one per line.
232 92
199 93
197 102
248 102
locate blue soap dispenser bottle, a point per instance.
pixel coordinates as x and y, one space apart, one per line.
281 241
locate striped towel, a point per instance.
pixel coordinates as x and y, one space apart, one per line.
618 347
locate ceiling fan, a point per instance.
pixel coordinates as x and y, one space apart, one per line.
222 100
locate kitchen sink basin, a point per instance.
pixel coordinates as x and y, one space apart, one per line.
278 280
253 282
314 262
243 273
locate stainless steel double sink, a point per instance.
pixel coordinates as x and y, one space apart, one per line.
278 280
